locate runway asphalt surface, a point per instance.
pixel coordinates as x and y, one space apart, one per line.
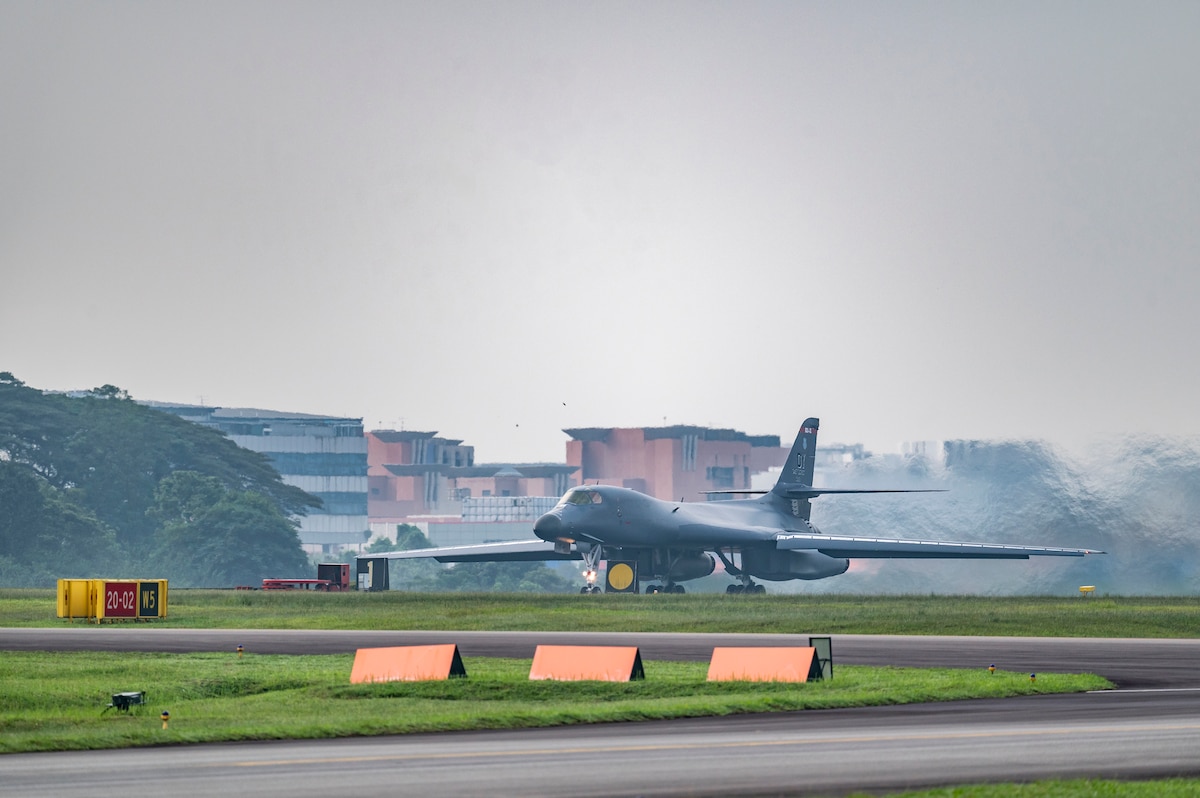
1150 728
1126 662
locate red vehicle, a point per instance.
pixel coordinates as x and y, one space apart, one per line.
331 577
299 584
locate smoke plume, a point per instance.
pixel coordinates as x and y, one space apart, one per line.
1136 499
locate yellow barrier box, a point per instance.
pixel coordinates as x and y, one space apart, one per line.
111 599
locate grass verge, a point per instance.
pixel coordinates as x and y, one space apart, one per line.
801 614
1075 788
218 697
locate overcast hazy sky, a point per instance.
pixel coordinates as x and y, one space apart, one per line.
498 219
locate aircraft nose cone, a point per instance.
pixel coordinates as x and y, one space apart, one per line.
548 527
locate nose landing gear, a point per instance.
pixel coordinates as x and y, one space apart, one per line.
591 562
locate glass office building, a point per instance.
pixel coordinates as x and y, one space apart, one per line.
323 455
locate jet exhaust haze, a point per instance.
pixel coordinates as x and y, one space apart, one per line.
1136 498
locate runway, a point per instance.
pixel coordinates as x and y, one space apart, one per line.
1149 730
1129 663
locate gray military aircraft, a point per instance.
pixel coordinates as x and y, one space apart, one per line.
768 537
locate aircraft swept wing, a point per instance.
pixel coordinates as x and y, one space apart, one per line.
536 550
769 537
860 547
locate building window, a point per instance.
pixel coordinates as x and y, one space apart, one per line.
719 477
688 450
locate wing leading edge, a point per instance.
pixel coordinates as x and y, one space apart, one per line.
861 547
806 492
510 551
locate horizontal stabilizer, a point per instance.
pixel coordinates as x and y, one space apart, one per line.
801 492
739 492
510 551
857 547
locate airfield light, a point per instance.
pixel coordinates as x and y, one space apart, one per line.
1032 677
166 716
991 668
240 650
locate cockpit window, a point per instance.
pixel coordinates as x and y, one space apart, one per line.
581 496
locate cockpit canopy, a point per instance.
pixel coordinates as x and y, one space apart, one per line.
581 496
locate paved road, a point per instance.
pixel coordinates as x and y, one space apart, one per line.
1127 733
1118 735
1128 663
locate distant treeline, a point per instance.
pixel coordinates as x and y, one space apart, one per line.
100 485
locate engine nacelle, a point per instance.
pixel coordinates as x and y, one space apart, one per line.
692 565
779 566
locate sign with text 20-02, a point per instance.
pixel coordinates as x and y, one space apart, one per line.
120 599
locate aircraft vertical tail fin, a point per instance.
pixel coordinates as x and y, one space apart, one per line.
798 469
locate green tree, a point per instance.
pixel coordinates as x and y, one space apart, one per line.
215 537
44 535
185 496
410 536
110 454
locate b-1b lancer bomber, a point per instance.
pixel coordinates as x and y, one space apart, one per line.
767 537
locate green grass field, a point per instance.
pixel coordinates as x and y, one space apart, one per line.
1080 788
213 697
913 615
221 697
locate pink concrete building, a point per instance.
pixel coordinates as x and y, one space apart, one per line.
671 463
413 474
417 473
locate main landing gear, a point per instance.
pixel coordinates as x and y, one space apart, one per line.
748 585
669 587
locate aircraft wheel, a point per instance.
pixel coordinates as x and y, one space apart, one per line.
676 589
653 589
758 589
583 591
733 590
595 589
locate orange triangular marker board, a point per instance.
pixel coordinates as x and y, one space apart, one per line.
406 664
594 663
763 664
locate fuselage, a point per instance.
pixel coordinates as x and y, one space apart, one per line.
671 539
615 516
